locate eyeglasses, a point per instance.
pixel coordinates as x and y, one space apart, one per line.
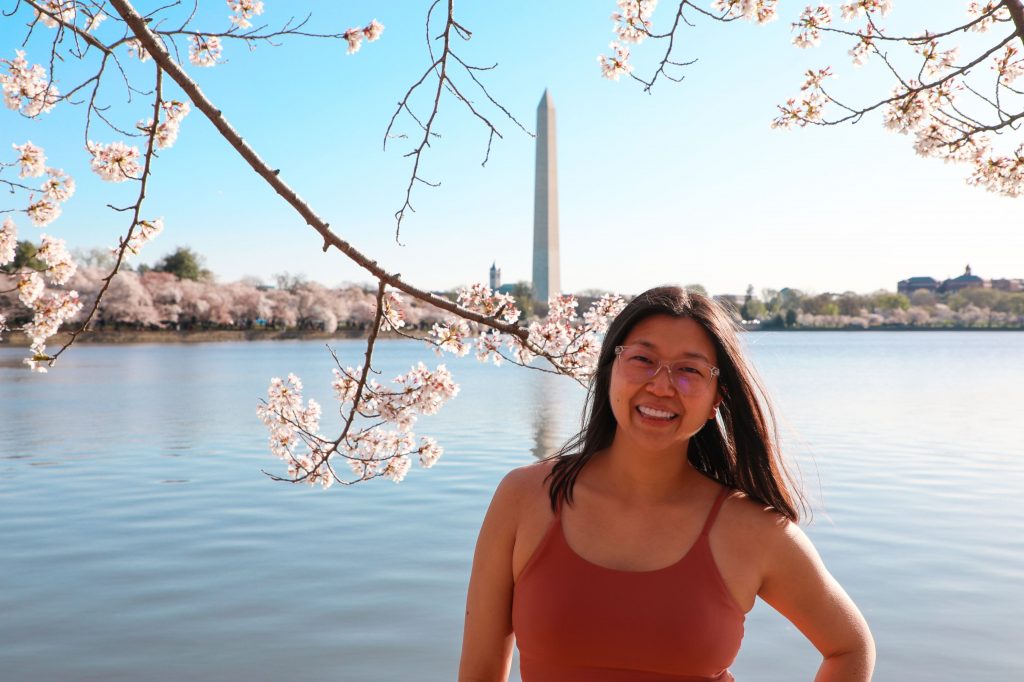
689 377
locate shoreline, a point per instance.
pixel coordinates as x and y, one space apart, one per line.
112 337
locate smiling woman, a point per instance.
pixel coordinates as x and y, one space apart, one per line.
636 551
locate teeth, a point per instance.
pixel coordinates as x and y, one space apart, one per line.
657 414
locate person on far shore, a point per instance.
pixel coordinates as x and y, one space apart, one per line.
634 553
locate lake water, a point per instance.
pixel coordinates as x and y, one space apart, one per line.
139 539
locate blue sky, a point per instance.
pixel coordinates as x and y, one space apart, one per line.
686 185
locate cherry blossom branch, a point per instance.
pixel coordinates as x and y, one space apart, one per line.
272 176
126 243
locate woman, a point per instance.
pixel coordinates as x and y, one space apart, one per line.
636 552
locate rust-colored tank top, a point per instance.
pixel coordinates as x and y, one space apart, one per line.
577 621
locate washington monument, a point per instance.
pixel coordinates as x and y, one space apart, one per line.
546 274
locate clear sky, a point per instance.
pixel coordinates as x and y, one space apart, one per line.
686 185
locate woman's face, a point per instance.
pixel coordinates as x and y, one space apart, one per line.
653 413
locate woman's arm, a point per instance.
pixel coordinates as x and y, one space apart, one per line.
797 585
487 638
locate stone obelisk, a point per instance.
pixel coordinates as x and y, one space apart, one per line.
546 274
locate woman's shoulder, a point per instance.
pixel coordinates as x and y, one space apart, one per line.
522 496
749 520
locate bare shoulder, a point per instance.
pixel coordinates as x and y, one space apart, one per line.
753 528
523 491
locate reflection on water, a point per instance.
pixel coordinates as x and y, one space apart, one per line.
139 540
550 410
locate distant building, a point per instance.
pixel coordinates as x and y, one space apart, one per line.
495 277
909 286
1008 284
964 281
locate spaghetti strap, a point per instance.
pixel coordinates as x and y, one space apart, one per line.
714 510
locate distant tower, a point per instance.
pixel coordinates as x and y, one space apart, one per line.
495 276
546 272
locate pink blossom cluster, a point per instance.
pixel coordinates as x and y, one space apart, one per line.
50 312
912 108
616 65
59 186
31 158
759 11
1009 66
167 129
56 12
114 162
935 60
569 342
56 189
370 451
26 88
859 8
243 11
143 232
289 420
864 46
811 21
355 36
632 20
204 50
1001 174
59 265
8 241
989 13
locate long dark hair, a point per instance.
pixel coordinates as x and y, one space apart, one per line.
740 449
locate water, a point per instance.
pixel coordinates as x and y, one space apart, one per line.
140 540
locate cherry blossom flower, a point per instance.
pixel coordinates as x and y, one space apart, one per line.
451 336
204 50
114 162
759 11
632 21
429 452
810 24
616 66
373 31
393 315
863 48
30 287
859 8
32 160
27 88
815 78
8 241
992 11
167 130
935 60
286 416
1008 66
135 49
43 212
59 186
62 10
4 327
51 311
1001 174
243 11
145 231
354 36
60 266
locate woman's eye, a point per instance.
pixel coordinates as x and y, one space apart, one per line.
687 369
641 360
